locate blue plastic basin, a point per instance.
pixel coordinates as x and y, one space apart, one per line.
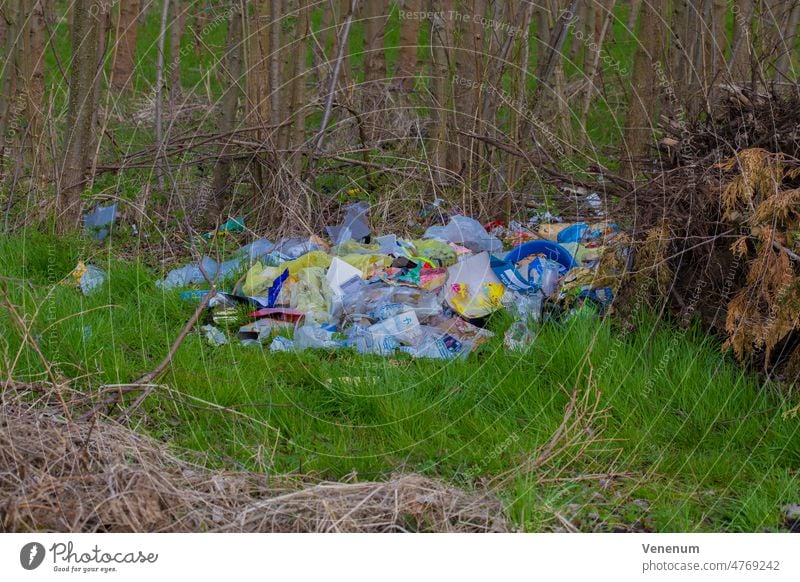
553 251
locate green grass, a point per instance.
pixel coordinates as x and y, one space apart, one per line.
691 441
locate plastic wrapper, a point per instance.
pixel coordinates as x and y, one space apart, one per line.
519 336
88 277
385 336
437 345
460 329
437 251
526 307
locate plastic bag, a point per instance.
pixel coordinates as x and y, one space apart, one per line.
189 274
260 278
101 221
314 336
437 251
291 248
369 265
311 294
214 336
312 259
281 344
519 336
471 234
472 289
256 249
526 307
354 226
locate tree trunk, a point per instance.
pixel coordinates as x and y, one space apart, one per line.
742 47
374 13
275 68
34 72
125 45
230 103
644 96
12 13
440 72
175 34
633 14
79 132
160 82
787 51
298 102
409 42
258 69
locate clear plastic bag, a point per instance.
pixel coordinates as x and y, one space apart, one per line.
314 336
470 233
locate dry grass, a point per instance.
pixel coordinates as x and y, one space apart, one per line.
61 476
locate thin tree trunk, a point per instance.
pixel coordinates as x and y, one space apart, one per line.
584 26
541 17
258 69
297 112
176 32
603 15
440 41
787 51
78 143
12 12
742 47
200 20
409 41
275 67
125 45
374 13
230 103
644 97
680 47
633 14
552 56
160 81
35 82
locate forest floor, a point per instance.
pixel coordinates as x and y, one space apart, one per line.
674 436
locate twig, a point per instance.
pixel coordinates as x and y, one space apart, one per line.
146 381
326 116
792 255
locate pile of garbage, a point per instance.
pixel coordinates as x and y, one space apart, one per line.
429 297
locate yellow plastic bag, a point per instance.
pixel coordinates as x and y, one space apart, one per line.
312 259
260 278
369 265
311 294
